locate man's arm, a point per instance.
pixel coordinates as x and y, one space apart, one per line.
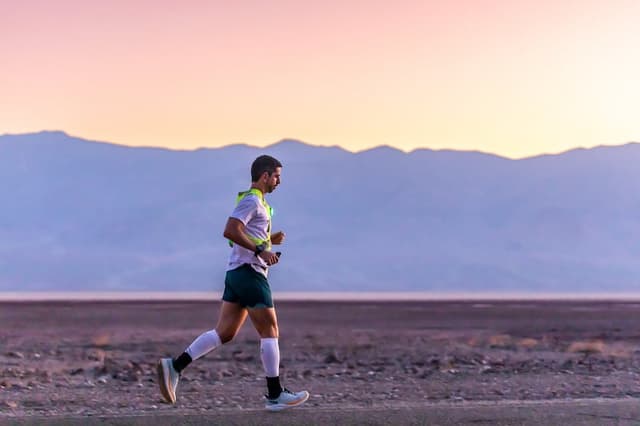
234 231
277 238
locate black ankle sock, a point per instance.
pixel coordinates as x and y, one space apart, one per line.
273 384
182 361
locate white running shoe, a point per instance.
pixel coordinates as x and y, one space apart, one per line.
168 379
287 399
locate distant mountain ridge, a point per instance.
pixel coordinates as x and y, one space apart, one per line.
80 214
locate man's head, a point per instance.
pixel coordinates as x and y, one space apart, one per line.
265 171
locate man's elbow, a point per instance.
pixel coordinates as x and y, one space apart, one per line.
232 229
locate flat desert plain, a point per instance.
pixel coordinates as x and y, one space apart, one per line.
99 358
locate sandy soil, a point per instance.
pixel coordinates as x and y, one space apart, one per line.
89 358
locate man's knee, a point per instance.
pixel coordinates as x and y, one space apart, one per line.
226 335
268 330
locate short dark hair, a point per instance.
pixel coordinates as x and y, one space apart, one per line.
264 163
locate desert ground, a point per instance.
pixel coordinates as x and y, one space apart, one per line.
87 359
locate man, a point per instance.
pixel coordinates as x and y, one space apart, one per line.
246 290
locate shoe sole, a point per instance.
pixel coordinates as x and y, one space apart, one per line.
280 407
163 375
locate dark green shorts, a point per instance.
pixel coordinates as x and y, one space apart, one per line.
247 287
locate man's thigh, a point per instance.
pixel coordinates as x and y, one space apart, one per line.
232 316
265 321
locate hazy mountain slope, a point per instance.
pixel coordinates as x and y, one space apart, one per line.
78 214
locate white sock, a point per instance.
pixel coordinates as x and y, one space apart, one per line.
204 344
270 355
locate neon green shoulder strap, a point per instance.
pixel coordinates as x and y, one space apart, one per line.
257 192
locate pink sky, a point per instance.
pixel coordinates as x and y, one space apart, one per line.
515 78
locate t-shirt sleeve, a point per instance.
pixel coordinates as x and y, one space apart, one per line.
245 210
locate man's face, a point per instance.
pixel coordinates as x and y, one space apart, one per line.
273 179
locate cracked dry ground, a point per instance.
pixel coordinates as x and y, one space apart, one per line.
98 358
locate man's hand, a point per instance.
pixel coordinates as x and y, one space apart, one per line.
269 257
277 238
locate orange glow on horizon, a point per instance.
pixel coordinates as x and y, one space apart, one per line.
512 78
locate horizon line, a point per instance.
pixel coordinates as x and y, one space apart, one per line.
329 296
299 141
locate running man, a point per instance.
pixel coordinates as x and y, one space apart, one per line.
246 290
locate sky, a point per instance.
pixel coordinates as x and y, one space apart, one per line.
514 78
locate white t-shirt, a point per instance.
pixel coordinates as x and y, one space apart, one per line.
253 214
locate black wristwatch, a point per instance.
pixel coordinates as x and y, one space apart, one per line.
259 249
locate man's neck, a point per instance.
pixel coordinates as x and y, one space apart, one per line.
259 187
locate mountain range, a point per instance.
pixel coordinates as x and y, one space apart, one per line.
85 215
